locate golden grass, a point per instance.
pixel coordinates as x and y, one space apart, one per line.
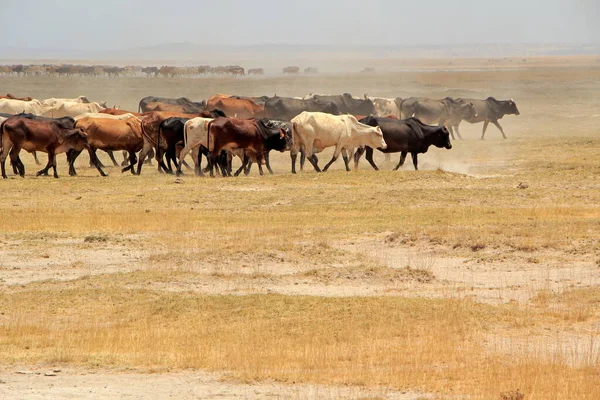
430 345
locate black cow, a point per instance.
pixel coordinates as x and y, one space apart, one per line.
407 136
194 107
447 112
347 104
286 108
490 110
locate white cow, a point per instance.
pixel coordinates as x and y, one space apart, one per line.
315 131
121 117
10 106
386 107
71 109
194 134
54 101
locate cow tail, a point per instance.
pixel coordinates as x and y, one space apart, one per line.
208 136
1 133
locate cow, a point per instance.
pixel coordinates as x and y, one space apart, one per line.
52 137
237 107
248 158
149 71
110 135
194 136
406 136
311 70
489 110
291 70
10 96
347 104
254 135
182 101
259 100
256 71
286 108
122 117
10 106
72 109
386 107
317 131
54 101
118 111
446 112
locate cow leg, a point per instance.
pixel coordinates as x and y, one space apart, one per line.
244 167
369 157
415 160
457 131
402 159
44 171
359 152
132 161
112 158
125 161
3 155
54 165
268 163
150 155
315 162
71 157
485 125
293 156
95 161
500 128
35 157
302 159
336 154
259 161
146 148
186 165
346 159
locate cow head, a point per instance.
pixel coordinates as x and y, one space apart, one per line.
75 139
374 137
442 138
103 104
468 111
511 108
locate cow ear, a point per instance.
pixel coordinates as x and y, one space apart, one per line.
281 133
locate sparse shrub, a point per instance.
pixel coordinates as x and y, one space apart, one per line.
95 239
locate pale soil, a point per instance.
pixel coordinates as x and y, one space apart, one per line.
33 384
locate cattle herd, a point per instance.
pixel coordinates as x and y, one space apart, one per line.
166 71
225 126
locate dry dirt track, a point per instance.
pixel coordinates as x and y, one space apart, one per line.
460 230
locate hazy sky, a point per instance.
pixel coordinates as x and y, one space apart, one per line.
122 24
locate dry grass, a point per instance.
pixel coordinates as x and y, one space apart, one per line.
431 345
465 203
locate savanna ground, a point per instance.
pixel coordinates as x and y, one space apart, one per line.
476 276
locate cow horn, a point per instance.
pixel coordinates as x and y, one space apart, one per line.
512 100
366 96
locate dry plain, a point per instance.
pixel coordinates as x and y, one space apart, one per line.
475 276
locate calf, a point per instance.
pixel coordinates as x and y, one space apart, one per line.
405 136
18 133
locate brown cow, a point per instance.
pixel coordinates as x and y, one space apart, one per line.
254 135
10 96
40 135
238 107
118 111
177 108
111 135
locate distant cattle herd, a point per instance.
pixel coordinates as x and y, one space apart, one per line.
225 126
167 71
